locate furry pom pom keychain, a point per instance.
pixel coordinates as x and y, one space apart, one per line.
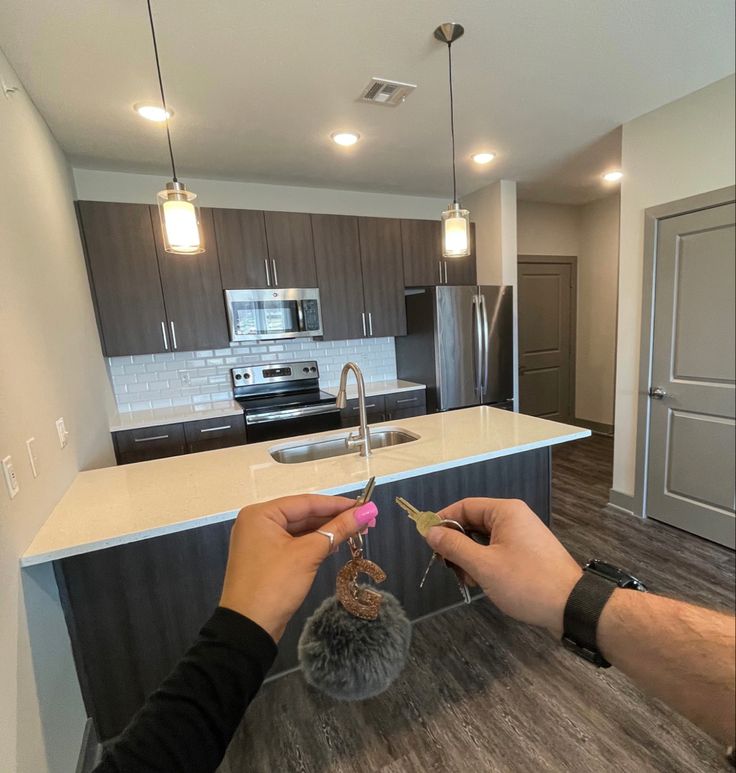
356 642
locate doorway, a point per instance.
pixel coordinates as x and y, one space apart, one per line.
686 468
547 314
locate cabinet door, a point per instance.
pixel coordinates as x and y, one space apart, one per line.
195 304
121 257
462 271
375 408
221 432
403 405
141 445
290 249
422 248
241 247
337 255
383 275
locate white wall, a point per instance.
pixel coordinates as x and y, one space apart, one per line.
51 366
493 209
547 229
595 364
679 150
96 185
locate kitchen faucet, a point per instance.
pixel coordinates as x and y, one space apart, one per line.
363 437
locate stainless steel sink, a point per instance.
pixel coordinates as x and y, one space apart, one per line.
335 445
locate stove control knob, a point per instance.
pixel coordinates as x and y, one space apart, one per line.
306 370
246 375
238 376
313 369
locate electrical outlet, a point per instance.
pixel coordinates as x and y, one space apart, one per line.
32 458
185 377
11 480
62 432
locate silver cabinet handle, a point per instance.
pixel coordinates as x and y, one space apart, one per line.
439 266
407 400
149 439
657 393
275 274
217 429
370 323
445 262
173 334
268 272
368 405
362 316
163 333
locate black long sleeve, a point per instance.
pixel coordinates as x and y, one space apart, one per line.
187 723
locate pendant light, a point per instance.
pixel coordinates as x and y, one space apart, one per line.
455 220
179 214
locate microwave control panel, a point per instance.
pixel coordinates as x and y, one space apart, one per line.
311 314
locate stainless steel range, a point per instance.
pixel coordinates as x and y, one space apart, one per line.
283 399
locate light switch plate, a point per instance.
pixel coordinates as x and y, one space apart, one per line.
11 480
32 458
62 432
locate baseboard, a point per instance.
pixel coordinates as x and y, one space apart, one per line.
595 426
91 750
621 501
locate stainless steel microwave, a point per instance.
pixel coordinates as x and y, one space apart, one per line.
262 315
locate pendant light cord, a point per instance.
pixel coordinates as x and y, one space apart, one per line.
163 98
452 124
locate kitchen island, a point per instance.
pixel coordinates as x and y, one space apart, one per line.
139 550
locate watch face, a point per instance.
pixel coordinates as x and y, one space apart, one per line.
614 574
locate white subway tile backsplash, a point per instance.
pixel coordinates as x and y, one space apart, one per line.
159 380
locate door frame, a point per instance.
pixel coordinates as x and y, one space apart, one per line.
572 261
652 216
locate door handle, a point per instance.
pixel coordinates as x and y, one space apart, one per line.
149 439
163 333
362 316
445 262
173 334
275 273
370 323
657 393
439 266
217 429
486 345
476 344
268 272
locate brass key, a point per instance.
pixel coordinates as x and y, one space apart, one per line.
424 520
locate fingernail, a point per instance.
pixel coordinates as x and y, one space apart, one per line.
365 514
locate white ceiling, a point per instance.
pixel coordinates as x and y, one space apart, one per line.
258 86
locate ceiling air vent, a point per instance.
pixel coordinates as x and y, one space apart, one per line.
380 91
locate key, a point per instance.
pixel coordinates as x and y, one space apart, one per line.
424 520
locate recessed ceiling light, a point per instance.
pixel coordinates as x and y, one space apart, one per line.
345 138
613 177
483 158
153 112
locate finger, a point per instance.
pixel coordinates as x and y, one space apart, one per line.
457 548
345 525
293 509
475 513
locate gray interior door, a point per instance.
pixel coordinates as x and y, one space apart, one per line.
691 466
545 339
456 341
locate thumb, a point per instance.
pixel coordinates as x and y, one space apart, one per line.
456 547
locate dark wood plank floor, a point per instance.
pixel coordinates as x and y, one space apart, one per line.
484 693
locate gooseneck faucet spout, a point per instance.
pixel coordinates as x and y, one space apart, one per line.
363 436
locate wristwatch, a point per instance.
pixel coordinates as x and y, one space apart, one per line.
585 605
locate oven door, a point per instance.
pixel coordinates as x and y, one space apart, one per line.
258 315
304 420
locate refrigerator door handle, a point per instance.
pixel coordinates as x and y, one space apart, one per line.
477 344
486 346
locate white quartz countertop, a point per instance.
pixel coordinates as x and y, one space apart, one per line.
155 417
118 505
375 388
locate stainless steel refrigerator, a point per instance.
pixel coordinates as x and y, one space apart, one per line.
459 343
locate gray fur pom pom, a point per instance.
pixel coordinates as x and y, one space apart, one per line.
352 659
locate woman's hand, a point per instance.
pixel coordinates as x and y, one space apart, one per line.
275 553
525 571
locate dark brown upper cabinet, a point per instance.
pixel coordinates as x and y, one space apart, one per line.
124 276
337 255
383 276
195 307
242 248
290 249
423 262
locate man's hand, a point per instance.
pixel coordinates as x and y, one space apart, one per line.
525 571
275 553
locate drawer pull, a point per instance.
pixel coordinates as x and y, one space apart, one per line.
356 408
407 400
149 439
217 429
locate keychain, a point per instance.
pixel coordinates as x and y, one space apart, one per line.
356 642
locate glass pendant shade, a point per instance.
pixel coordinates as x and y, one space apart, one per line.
455 232
180 220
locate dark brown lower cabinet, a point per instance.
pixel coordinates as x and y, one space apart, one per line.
142 445
132 610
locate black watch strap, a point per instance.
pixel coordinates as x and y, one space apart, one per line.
582 612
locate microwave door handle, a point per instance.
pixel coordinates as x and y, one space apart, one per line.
300 316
